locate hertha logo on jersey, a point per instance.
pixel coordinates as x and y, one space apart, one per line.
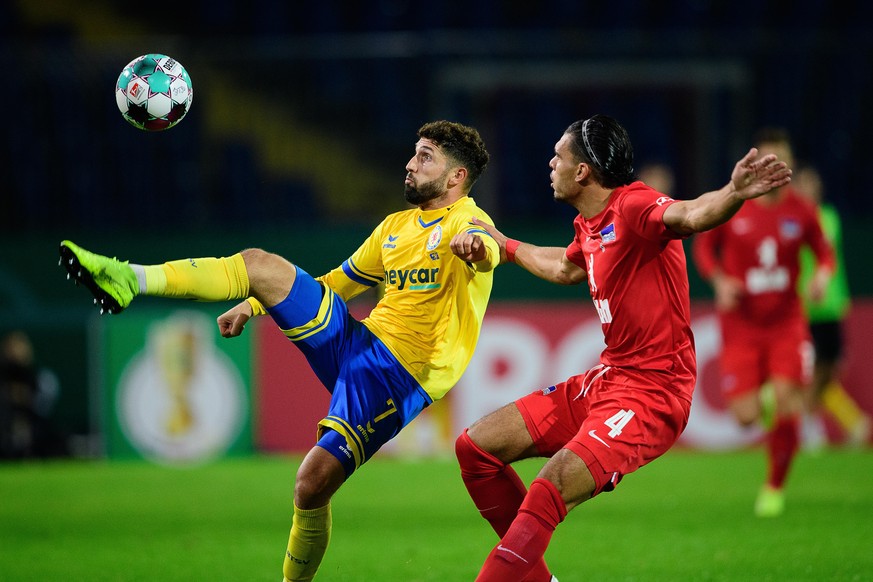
790 229
607 235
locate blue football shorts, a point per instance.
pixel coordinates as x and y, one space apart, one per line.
372 395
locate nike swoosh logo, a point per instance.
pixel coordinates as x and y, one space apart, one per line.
393 238
500 548
593 435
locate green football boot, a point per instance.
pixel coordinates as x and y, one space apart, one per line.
770 502
112 282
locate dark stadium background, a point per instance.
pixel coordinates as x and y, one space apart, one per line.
305 113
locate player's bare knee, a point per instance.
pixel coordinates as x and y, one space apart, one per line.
789 402
320 476
746 410
270 275
570 476
473 460
311 490
259 259
503 433
473 433
746 416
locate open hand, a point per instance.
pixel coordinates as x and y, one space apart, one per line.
753 176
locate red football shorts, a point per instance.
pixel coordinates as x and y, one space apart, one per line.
752 354
616 421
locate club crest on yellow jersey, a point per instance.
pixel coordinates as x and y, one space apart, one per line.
436 235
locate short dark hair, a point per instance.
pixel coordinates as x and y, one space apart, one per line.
461 143
601 142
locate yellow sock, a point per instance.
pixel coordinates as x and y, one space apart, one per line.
838 402
206 279
310 534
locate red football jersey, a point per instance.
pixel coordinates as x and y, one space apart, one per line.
760 246
639 283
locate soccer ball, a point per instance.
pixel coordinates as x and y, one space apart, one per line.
154 92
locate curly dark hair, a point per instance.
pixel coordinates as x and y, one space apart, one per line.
461 143
604 144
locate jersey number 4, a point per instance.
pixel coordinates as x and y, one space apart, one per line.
618 421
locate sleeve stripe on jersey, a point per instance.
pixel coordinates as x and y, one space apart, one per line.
479 231
358 276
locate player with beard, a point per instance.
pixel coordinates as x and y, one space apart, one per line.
437 269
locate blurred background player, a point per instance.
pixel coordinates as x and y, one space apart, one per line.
605 423
658 176
752 263
437 267
28 394
826 318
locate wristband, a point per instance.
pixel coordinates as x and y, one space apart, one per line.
511 247
257 307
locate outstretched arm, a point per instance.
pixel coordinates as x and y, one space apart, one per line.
752 177
549 263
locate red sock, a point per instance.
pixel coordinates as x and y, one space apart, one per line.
526 541
497 491
495 488
782 444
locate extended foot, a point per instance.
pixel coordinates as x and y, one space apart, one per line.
112 282
770 502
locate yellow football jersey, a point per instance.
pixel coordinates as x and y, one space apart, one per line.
431 312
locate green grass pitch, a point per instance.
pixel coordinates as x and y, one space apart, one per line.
687 516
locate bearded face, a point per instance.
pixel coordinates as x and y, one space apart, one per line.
426 191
